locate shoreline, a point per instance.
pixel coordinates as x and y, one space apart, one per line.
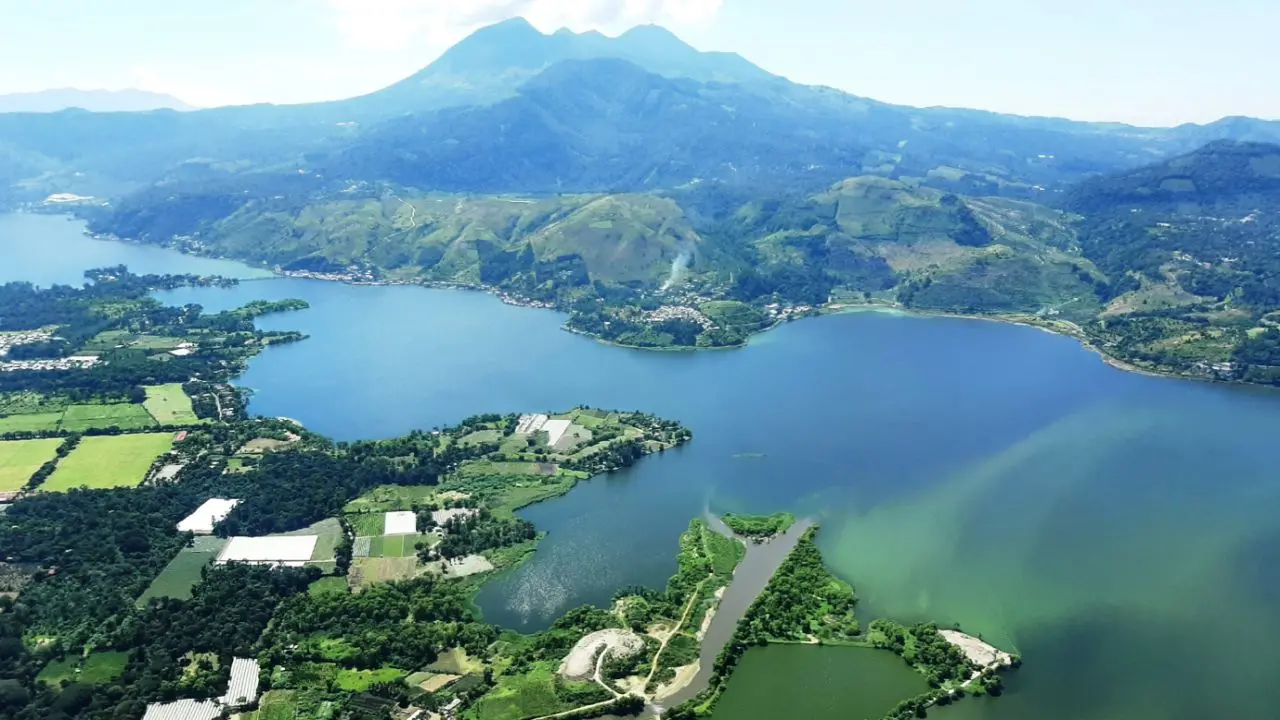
1024 320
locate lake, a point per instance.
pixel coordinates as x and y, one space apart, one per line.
1119 531
817 683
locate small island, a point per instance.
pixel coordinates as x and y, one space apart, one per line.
759 527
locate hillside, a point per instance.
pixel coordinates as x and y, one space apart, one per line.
1191 243
621 239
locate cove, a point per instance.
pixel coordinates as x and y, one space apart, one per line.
54 250
822 683
1118 531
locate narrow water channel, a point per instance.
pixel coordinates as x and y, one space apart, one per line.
749 580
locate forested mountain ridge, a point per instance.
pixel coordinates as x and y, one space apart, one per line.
1191 245
512 78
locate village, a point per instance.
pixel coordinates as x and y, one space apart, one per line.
10 340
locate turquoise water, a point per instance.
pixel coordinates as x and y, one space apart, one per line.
1121 532
817 683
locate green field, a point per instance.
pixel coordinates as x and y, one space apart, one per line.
20 459
125 416
58 671
326 547
385 498
367 523
109 461
169 405
101 668
361 680
328 584
35 422
522 696
183 572
278 705
394 546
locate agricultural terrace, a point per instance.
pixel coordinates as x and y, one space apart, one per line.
20 459
169 405
109 461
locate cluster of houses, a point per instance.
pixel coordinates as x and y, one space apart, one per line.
75 362
11 340
681 312
22 337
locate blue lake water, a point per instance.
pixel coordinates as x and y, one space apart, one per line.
1121 532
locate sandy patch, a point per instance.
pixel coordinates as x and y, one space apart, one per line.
684 676
978 652
469 565
659 631
711 613
581 661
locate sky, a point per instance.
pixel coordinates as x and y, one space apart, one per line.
1147 62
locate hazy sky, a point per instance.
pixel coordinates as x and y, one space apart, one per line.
1157 62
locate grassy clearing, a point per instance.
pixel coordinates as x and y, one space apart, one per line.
169 405
278 705
370 570
521 494
361 680
35 422
481 436
183 571
125 416
20 459
328 585
101 668
488 467
58 671
387 498
109 461
326 547
521 696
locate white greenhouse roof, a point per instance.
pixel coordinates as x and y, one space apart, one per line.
183 710
243 688
275 550
212 512
555 429
401 522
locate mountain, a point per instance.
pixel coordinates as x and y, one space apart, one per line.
491 65
1191 243
512 109
130 100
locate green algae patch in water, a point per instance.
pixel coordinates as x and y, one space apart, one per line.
817 682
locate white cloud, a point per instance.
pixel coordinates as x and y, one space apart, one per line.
393 25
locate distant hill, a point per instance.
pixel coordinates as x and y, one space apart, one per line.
1193 245
47 101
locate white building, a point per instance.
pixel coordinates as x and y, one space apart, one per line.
212 512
